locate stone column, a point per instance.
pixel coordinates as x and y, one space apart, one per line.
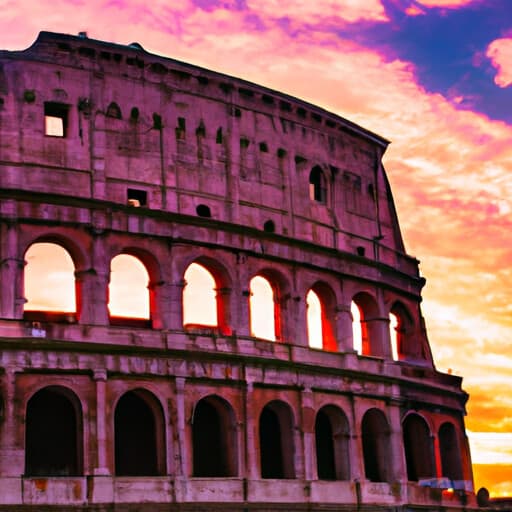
11 274
397 463
299 319
160 294
92 305
251 459
380 339
93 284
184 464
11 451
223 296
175 302
240 298
100 377
308 432
356 456
344 330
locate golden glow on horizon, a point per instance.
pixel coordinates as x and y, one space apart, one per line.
314 320
357 333
49 279
262 309
393 325
128 289
199 297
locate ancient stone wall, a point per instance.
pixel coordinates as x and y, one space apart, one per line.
106 150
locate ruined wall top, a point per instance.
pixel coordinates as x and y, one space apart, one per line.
112 123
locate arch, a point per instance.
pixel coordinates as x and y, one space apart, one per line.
365 330
139 435
451 463
214 439
419 449
263 309
53 433
317 185
376 447
49 282
203 210
269 226
277 450
114 111
402 330
128 291
321 312
206 295
332 444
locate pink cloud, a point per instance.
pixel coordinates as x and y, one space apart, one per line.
449 4
312 12
500 53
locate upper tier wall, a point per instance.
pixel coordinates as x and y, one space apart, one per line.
144 129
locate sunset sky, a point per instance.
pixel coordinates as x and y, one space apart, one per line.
432 76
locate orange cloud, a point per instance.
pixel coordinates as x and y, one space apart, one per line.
414 10
500 53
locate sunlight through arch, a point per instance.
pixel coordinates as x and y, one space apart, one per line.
314 320
262 309
393 333
199 297
128 288
49 279
356 328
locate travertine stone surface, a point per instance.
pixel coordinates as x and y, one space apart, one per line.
295 194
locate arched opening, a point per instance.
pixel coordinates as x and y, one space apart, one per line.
199 297
214 439
203 210
276 441
49 282
139 435
376 449
419 452
405 344
113 110
264 311
320 304
128 291
393 334
364 325
53 438
314 320
269 226
332 444
451 462
317 185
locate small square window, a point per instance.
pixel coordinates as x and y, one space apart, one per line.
55 119
137 197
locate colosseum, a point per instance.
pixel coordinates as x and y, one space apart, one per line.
282 362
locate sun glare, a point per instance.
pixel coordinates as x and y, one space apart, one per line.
356 328
199 297
262 309
393 325
128 288
314 320
49 279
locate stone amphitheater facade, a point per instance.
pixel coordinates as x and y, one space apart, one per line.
174 164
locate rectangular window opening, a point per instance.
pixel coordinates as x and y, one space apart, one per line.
55 119
137 198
